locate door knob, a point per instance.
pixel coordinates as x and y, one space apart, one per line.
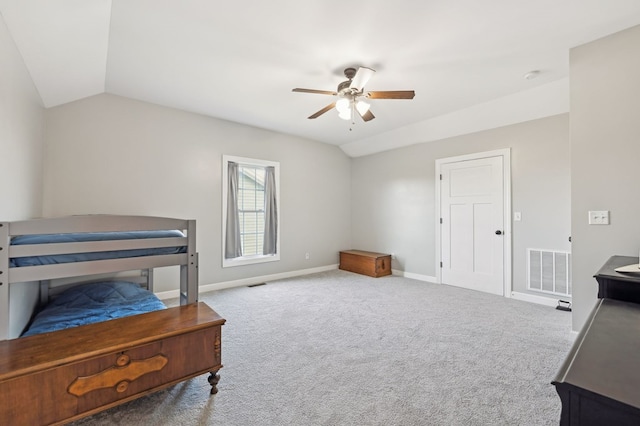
498 232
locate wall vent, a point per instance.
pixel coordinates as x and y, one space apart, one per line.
549 271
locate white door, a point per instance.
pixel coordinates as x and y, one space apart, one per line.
472 228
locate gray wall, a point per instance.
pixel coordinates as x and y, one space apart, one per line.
108 154
21 135
605 152
393 194
21 149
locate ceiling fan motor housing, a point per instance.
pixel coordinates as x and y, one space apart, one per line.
344 88
350 73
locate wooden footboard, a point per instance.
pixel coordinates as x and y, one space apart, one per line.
57 377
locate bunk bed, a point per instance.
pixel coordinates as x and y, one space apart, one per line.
129 345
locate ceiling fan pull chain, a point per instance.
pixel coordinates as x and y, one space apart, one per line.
353 114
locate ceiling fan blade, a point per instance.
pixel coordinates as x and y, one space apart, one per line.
391 94
322 111
367 116
361 78
319 92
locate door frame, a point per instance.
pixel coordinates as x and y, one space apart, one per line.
506 176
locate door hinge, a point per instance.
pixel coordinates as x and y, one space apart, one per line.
441 264
440 176
440 220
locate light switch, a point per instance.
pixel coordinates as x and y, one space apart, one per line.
598 217
517 216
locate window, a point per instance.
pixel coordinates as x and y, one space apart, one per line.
251 208
250 211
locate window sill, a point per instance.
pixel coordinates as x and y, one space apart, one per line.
249 260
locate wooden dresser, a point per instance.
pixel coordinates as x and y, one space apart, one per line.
599 382
53 378
366 263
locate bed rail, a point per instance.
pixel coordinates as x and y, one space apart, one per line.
94 246
95 223
92 267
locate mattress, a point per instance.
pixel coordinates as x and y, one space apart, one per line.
92 236
95 302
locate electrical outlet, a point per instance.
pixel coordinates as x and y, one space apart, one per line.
598 217
306 256
393 256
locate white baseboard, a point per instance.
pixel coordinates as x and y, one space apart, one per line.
249 281
540 300
413 276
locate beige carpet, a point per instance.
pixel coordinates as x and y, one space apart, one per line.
338 348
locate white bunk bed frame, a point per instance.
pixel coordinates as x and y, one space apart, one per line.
9 276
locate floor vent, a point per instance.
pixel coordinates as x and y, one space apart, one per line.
549 271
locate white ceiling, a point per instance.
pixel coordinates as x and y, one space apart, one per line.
238 60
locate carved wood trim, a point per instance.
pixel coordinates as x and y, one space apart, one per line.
118 376
217 346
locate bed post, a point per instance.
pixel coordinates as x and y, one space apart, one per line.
44 292
189 272
4 280
148 275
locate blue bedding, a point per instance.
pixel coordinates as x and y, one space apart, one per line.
95 302
92 236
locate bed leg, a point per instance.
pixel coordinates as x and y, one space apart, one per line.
214 378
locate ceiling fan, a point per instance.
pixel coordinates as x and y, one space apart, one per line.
351 92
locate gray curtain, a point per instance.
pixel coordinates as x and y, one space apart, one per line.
233 245
270 212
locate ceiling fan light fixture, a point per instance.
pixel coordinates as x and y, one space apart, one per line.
362 107
343 105
345 115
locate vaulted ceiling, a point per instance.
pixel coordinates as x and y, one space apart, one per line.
238 60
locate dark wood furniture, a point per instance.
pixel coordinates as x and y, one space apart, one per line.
599 382
618 285
366 263
57 377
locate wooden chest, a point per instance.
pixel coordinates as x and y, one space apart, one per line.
53 378
366 263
